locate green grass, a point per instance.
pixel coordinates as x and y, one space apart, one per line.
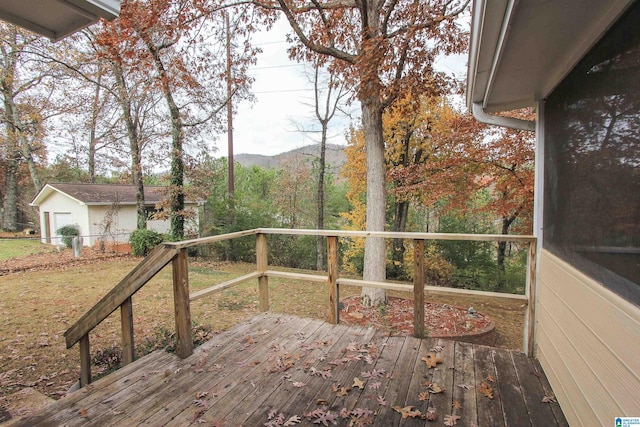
12 248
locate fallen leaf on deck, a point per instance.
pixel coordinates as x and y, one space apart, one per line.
465 386
451 420
549 399
434 388
299 384
432 415
490 378
357 382
456 405
83 413
486 390
424 396
292 421
407 411
202 394
432 360
343 391
381 401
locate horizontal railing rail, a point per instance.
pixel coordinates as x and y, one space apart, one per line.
176 254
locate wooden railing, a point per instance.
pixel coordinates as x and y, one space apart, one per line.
176 253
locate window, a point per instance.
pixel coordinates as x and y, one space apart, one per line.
592 162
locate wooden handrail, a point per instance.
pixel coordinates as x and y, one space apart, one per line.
355 234
176 253
141 274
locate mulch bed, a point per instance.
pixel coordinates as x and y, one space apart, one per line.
397 317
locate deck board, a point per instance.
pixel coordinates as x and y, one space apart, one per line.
252 374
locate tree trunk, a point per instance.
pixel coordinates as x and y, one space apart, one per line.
92 133
502 249
398 249
10 202
374 248
134 146
320 197
177 163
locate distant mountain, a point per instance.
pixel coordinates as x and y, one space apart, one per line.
335 157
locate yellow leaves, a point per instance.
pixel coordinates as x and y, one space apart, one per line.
432 360
407 411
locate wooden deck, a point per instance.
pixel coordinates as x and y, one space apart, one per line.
278 369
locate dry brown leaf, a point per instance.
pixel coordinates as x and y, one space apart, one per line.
490 378
83 413
486 390
434 388
549 399
456 405
432 360
424 396
357 382
451 420
407 412
343 391
202 394
432 415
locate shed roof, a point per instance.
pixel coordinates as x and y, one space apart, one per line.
101 194
57 18
522 49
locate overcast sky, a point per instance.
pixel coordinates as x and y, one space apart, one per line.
284 96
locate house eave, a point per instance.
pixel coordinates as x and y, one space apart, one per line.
522 49
56 19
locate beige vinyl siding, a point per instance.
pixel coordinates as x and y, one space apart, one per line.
588 342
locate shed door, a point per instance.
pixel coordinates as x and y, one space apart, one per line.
60 219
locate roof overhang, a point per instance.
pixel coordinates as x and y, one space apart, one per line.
57 18
522 49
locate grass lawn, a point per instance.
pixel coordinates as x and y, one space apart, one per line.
12 248
37 307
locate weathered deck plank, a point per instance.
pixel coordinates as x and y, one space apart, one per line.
272 367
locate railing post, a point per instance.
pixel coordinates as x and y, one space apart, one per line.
332 280
126 321
418 288
530 292
184 341
262 261
85 361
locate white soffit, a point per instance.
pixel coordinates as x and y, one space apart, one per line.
521 49
56 19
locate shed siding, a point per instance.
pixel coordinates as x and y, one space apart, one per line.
588 342
58 203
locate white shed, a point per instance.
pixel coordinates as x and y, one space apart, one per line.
100 211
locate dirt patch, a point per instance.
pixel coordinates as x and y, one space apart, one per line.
441 320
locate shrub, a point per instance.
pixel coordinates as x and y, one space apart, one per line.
68 232
143 241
